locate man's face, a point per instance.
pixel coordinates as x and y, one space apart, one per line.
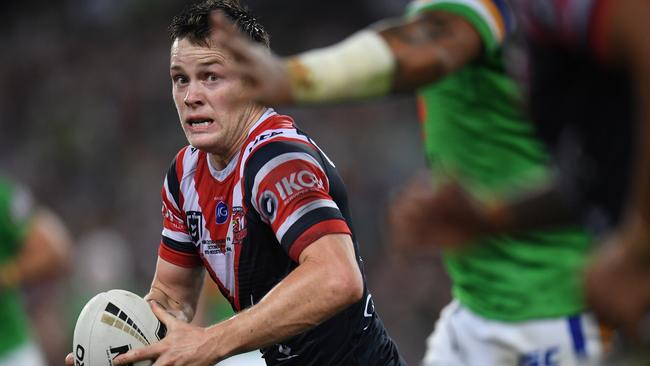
201 95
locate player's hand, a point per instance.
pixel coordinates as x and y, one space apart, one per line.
69 360
266 77
618 286
447 216
184 345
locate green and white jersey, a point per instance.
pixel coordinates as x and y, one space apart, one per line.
476 131
15 214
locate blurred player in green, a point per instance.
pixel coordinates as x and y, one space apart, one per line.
517 299
34 245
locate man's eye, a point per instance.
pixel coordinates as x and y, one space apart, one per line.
179 79
212 77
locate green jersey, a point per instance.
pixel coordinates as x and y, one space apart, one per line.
476 131
15 211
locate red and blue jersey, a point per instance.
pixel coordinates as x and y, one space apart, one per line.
248 223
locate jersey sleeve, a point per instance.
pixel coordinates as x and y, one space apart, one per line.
288 187
492 19
573 23
176 245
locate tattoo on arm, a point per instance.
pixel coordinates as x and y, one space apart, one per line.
429 47
429 28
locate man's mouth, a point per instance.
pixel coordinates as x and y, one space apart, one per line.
199 122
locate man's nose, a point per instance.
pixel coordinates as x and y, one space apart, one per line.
194 95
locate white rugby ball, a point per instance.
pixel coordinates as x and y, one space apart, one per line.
112 323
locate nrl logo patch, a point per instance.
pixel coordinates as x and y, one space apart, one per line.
195 225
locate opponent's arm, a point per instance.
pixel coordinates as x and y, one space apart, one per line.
45 251
628 39
176 289
428 47
399 55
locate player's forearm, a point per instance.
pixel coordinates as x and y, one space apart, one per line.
429 47
543 208
315 291
628 36
176 289
398 55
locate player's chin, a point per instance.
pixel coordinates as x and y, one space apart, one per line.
203 141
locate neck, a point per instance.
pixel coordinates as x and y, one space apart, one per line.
221 160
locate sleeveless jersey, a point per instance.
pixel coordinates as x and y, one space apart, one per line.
476 131
248 223
15 212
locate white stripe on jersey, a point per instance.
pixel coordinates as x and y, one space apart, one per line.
274 163
274 135
475 5
300 212
168 194
177 236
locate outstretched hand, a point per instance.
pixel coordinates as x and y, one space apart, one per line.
265 75
447 216
184 345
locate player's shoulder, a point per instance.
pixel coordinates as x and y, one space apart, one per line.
278 151
184 163
278 135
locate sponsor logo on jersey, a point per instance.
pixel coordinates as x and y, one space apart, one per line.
175 222
542 357
214 247
221 212
195 225
238 225
263 137
268 205
289 186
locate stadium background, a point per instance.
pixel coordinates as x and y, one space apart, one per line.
87 121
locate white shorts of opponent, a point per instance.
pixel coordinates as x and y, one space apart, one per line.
462 338
27 354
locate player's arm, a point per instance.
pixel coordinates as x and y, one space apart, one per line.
326 281
45 251
176 289
398 55
428 47
628 42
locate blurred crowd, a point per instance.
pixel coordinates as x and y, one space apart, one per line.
87 122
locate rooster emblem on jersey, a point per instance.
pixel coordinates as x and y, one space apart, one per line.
238 225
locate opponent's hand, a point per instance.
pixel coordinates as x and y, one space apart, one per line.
266 77
184 345
446 217
618 286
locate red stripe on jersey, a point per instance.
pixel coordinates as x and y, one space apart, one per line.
327 227
178 258
294 183
278 121
173 219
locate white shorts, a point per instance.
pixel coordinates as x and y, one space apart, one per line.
27 354
462 338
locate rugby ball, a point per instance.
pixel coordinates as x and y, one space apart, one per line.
112 323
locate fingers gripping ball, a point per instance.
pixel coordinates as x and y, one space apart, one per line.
112 323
